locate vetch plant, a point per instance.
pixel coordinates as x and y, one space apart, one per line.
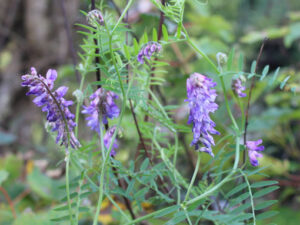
124 85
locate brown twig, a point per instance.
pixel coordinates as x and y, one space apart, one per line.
9 201
21 196
97 58
123 185
159 35
70 39
249 97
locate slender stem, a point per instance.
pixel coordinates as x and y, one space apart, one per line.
174 163
68 187
249 96
78 105
214 67
9 201
227 105
187 216
105 160
251 196
118 207
171 167
193 178
78 197
101 186
227 178
122 16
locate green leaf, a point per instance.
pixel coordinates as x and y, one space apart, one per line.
274 76
263 183
241 62
239 199
265 72
145 164
136 46
265 191
154 35
62 218
282 84
230 59
167 211
32 219
165 33
126 52
266 215
236 190
265 204
253 66
3 176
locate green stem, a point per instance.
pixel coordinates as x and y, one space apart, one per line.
227 178
107 155
227 104
78 197
216 70
78 106
193 178
174 163
122 16
68 187
251 196
101 186
118 207
171 167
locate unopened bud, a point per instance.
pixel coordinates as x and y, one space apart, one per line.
95 17
221 58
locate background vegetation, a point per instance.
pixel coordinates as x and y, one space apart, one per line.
44 34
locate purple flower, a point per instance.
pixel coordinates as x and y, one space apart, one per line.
253 151
54 103
108 138
102 105
201 98
238 87
148 50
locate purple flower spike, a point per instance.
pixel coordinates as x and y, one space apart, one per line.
253 151
58 114
201 98
238 87
148 50
107 140
102 105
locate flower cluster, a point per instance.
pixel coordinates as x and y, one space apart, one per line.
54 103
107 140
253 151
95 17
201 98
148 50
102 106
238 87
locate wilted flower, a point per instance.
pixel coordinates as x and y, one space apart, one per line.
253 151
54 103
201 98
148 50
95 17
102 105
238 87
108 138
